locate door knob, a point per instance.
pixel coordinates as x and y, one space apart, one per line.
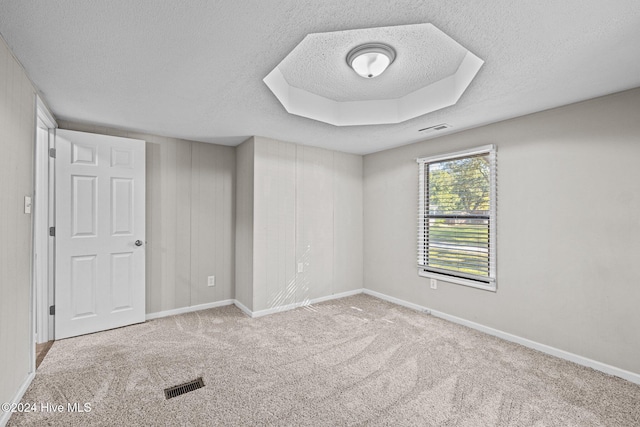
138 242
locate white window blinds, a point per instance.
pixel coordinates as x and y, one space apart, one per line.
457 216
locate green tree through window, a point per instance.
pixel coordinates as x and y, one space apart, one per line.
460 186
457 223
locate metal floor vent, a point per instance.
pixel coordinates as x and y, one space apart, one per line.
183 388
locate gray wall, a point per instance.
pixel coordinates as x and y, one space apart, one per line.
568 229
17 127
190 219
307 209
274 223
244 223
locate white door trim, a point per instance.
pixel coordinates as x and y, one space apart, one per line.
42 277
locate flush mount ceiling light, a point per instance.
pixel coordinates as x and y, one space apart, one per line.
371 59
430 71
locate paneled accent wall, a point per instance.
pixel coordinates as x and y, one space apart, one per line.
212 222
275 282
168 224
307 221
17 134
190 219
244 223
314 205
348 222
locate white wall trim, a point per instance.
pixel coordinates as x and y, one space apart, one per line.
4 416
288 307
42 244
491 286
41 251
396 301
580 360
484 149
336 296
182 310
44 114
562 354
243 307
556 352
245 310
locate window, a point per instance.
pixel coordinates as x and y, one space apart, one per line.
457 217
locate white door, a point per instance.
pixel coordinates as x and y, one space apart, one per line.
100 233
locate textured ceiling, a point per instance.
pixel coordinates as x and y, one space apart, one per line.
194 69
424 55
411 88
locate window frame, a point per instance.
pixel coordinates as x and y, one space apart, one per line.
489 283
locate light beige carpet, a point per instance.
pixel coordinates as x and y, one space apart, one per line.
353 361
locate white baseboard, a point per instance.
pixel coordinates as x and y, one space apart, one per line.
189 309
243 307
246 310
287 307
336 296
580 360
397 301
4 416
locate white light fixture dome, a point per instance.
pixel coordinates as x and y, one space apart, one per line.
371 59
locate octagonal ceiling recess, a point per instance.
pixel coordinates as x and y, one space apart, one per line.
431 71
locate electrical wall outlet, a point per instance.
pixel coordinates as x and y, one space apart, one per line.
300 267
434 284
211 281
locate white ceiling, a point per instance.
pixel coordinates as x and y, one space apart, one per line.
424 55
194 69
333 93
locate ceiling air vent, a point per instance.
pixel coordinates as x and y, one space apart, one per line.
435 128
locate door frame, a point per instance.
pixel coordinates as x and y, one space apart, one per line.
42 218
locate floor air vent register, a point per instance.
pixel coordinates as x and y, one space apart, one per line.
183 388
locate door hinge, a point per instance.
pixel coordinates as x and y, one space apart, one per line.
52 310
52 231
52 152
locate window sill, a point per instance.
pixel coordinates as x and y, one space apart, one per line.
458 280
